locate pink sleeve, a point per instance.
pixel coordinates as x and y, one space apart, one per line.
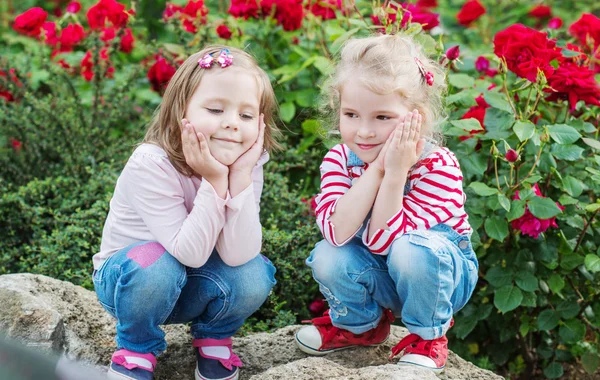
241 238
153 189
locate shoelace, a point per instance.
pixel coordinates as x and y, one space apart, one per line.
418 346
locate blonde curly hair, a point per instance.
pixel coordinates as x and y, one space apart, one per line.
386 64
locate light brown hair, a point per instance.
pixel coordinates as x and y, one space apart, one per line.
165 128
386 64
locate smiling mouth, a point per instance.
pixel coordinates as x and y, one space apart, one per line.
367 146
226 140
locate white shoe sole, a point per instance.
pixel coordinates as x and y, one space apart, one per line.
197 375
437 371
311 351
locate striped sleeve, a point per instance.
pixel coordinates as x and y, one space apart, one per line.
435 196
335 182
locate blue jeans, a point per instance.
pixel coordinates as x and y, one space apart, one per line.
143 287
427 277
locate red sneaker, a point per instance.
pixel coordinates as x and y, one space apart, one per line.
323 337
430 354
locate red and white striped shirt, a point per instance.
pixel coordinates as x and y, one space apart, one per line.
435 196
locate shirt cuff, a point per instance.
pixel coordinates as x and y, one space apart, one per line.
379 242
237 203
208 190
333 239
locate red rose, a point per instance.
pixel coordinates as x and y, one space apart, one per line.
482 64
108 34
193 13
223 31
574 83
288 13
73 7
453 53
470 12
3 92
107 10
87 66
160 74
427 3
587 30
526 51
476 112
528 224
49 33
30 22
318 306
71 36
555 23
511 155
418 15
324 8
127 40
171 10
541 11
16 144
244 8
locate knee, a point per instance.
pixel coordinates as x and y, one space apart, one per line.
152 269
412 257
253 282
329 263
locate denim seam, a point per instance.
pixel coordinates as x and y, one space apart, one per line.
364 303
437 299
225 302
170 311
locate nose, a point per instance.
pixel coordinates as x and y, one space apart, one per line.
365 131
229 121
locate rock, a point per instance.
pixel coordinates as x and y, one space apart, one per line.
54 315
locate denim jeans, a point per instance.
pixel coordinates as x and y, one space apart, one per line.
427 277
143 287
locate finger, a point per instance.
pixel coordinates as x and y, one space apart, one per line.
420 146
417 135
413 126
203 144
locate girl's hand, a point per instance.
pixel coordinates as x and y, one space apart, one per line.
378 164
197 154
406 145
246 162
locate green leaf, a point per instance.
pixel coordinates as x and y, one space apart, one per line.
507 298
572 261
592 263
543 208
499 277
547 320
573 186
343 38
527 281
556 283
554 370
590 362
563 134
504 201
496 228
287 111
567 200
461 80
572 331
310 127
464 329
524 130
469 124
567 152
591 142
323 65
497 124
517 210
462 99
567 309
497 100
529 299
592 207
482 189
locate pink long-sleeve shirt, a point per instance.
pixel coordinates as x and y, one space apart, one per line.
153 201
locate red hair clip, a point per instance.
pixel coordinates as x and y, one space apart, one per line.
427 75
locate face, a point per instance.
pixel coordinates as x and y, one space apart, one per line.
368 118
225 108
